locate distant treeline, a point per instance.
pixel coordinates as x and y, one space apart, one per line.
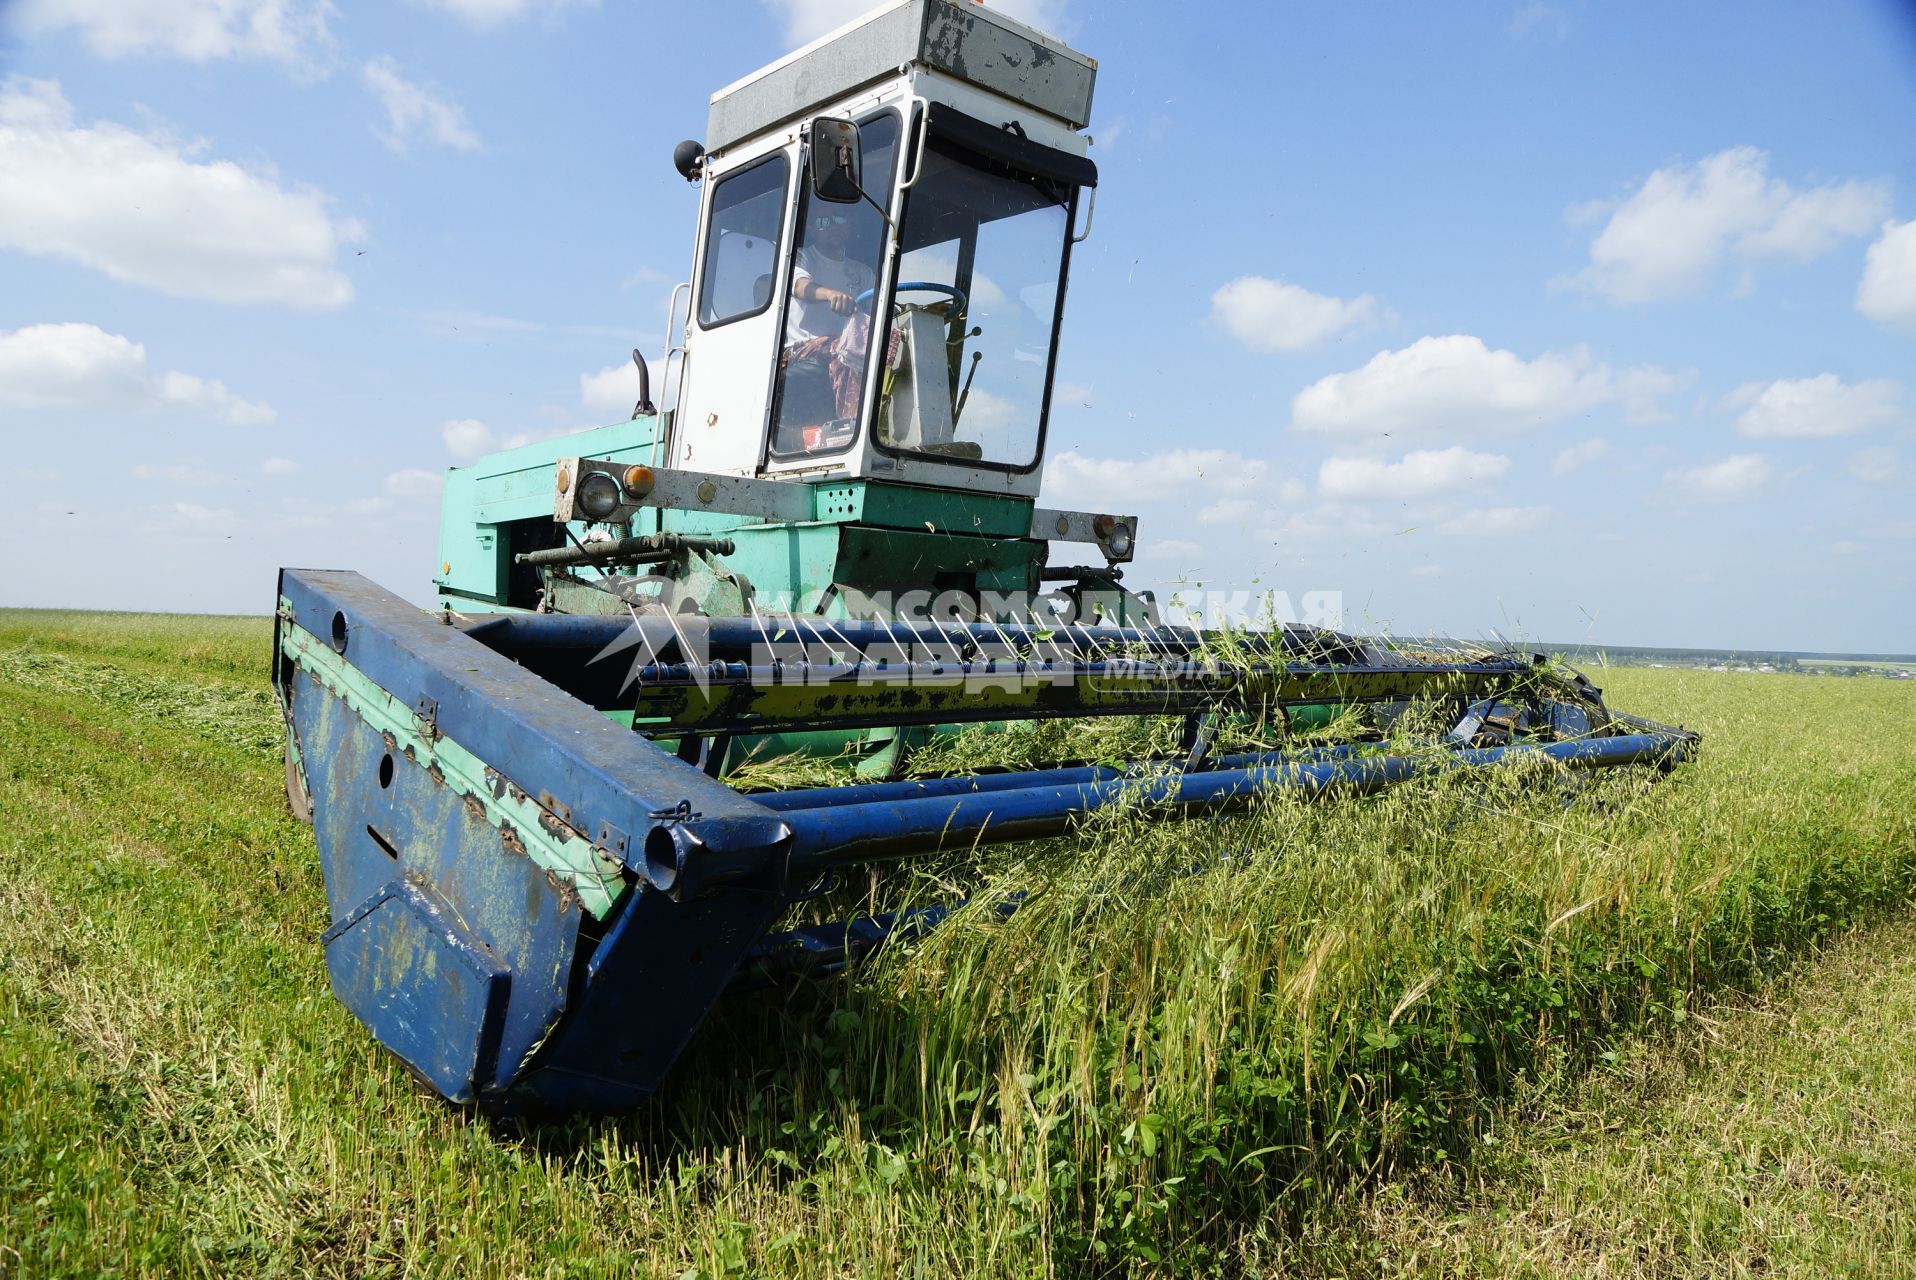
1780 659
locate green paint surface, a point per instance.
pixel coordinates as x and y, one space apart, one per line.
592 873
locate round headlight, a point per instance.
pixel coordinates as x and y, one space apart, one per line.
598 496
1120 542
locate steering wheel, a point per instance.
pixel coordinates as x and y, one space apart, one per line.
953 292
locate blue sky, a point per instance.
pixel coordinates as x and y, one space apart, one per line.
1580 322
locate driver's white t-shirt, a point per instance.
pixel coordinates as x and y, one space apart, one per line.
815 318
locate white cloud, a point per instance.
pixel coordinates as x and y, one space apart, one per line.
613 389
1270 315
1072 479
1876 466
184 391
491 13
1734 479
1169 549
1243 503
611 394
806 20
139 208
178 473
1813 408
81 366
1578 456
279 467
1073 395
1493 522
1457 384
1888 289
1231 511
415 111
288 31
1672 236
467 438
1422 474
1325 521
1540 19
414 483
190 519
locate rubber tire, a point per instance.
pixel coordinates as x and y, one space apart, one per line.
299 800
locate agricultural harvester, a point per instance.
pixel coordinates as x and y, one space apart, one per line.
828 542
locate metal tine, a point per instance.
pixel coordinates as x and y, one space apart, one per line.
758 620
908 647
765 634
1086 652
849 646
960 647
1010 648
816 635
1042 636
1082 644
799 629
643 638
945 638
815 620
696 669
1063 657
1151 634
1157 649
1033 631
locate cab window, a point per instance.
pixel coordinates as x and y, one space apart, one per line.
741 246
975 310
829 319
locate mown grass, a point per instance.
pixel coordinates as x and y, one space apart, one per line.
1776 1138
1189 1046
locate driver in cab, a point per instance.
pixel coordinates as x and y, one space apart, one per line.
826 333
825 282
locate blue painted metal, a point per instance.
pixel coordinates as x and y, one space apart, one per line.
405 963
534 906
522 636
390 831
592 775
818 949
931 788
829 834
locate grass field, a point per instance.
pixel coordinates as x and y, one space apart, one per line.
1460 1029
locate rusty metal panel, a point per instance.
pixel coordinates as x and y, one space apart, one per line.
982 47
430 991
973 43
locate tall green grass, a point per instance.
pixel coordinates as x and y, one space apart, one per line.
1187 1036
1775 1137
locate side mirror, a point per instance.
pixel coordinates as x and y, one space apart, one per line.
837 161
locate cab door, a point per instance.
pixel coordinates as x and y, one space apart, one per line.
731 342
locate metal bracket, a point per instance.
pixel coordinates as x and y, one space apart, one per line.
680 812
1048 525
682 490
1090 212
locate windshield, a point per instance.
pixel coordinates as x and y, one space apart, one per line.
974 311
828 321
